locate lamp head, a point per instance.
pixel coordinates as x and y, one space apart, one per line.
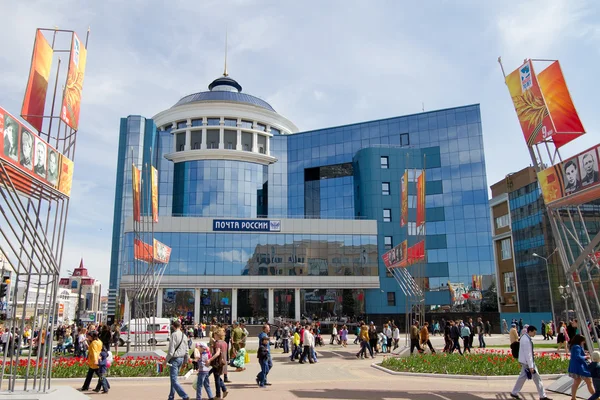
536 255
561 289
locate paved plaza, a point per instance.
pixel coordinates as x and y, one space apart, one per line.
337 375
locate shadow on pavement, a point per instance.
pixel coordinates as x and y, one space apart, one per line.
381 395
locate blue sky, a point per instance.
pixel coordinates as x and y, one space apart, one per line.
318 63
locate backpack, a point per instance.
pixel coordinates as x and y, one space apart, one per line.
514 347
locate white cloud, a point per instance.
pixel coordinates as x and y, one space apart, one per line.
234 256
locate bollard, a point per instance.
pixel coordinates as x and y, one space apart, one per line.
128 344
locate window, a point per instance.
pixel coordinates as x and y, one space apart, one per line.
387 242
246 147
404 140
181 125
502 221
261 127
387 215
275 131
247 124
181 147
213 121
391 298
230 145
385 188
213 145
196 122
506 250
385 162
261 150
74 285
509 282
196 145
230 122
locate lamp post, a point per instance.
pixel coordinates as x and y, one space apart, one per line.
549 283
565 293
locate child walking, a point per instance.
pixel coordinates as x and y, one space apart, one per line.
263 361
103 364
204 359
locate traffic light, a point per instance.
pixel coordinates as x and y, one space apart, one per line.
4 286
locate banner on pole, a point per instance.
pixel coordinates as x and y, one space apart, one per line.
30 160
421 199
404 198
34 100
136 180
162 252
154 194
572 182
404 256
71 104
543 105
142 251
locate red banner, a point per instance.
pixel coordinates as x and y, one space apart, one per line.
136 192
72 95
154 195
404 199
404 256
34 101
142 251
421 199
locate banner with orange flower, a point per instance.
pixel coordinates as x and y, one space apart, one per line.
543 105
404 199
421 199
154 189
71 104
34 101
136 190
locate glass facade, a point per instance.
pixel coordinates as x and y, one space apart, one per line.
340 174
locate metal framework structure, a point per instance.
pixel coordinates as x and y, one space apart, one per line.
147 277
578 249
32 229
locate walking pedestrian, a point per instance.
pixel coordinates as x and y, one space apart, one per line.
481 332
95 347
528 368
178 349
204 361
424 336
578 368
414 338
595 372
263 360
263 338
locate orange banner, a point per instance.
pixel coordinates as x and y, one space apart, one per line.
30 160
136 190
72 95
34 101
154 189
572 182
421 199
162 252
404 199
565 119
142 251
543 104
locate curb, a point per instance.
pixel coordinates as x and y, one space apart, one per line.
449 376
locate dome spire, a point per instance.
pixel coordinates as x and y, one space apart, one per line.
225 70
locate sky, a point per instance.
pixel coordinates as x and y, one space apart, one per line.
318 63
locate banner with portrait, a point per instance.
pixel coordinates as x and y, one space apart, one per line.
162 252
30 160
421 199
404 256
34 101
543 105
572 182
154 194
404 199
71 103
136 191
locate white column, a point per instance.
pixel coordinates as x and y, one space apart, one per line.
238 145
271 305
188 140
127 310
254 142
159 303
234 311
268 146
197 317
221 138
174 126
203 144
297 304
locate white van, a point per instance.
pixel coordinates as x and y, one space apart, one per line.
161 327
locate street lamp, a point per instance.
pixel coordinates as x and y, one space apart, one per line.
549 284
565 293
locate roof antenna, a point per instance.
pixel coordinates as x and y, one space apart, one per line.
225 71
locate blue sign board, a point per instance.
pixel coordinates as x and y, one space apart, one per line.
246 225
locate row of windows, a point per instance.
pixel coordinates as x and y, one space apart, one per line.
216 121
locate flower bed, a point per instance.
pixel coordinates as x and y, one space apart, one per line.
76 367
489 363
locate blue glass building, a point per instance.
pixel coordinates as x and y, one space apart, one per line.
330 199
